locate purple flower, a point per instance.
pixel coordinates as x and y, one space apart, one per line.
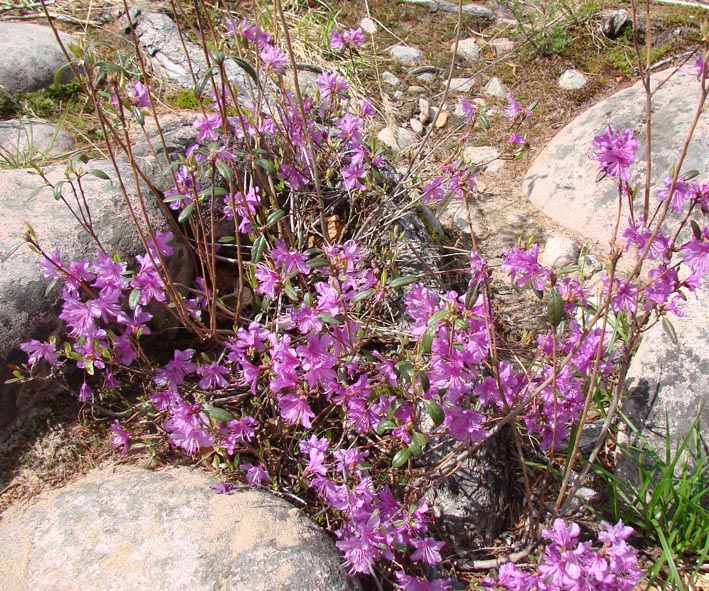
433 190
274 60
38 350
427 550
255 474
351 39
682 192
523 267
206 127
223 488
701 65
615 152
469 109
295 409
85 393
212 376
269 282
613 534
174 372
696 253
564 535
517 138
289 261
140 96
331 85
513 108
351 175
121 437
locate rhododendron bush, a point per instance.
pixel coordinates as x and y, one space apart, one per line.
301 376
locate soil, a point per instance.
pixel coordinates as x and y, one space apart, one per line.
52 444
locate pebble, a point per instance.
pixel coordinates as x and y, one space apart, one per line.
495 88
397 138
426 77
368 25
572 80
462 84
390 79
406 54
502 45
468 50
558 252
425 114
485 156
442 119
416 90
416 125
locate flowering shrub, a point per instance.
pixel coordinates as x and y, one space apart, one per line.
289 378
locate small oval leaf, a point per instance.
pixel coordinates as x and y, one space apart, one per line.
224 170
186 213
220 414
363 295
385 425
258 248
98 173
434 411
134 298
267 165
275 216
670 331
403 281
555 308
405 369
401 457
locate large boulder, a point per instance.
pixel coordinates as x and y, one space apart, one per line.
31 140
160 39
26 311
31 57
164 531
667 385
562 180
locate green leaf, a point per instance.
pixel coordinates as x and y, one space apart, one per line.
555 307
403 281
51 286
426 340
274 217
98 173
139 117
57 191
133 298
419 439
201 83
267 165
247 67
224 170
186 213
434 411
405 369
258 248
670 331
401 457
425 383
437 317
415 450
219 414
289 290
363 295
385 425
226 240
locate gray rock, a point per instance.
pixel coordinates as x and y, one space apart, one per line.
612 27
468 50
590 265
136 529
427 77
447 6
558 252
406 54
31 57
416 126
668 385
562 180
25 310
462 85
572 80
158 36
416 90
502 45
390 79
486 157
23 141
425 112
495 88
397 138
368 25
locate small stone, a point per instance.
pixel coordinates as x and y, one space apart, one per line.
442 119
462 84
590 265
397 138
426 77
368 25
406 54
390 79
416 125
572 80
487 157
416 90
613 25
502 45
397 95
558 252
468 50
425 115
495 88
